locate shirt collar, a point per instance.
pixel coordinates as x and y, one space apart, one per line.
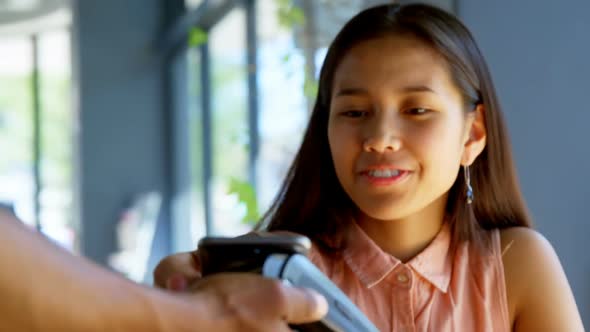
372 265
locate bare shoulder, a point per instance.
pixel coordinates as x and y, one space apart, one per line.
524 236
525 247
539 295
526 233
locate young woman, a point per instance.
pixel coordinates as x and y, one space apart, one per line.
406 185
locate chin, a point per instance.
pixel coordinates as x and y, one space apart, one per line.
383 213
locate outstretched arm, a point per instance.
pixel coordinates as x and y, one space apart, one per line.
44 288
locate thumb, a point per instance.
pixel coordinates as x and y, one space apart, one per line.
304 305
183 266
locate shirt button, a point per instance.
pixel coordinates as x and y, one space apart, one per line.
403 278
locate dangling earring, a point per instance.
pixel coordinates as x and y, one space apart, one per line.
469 190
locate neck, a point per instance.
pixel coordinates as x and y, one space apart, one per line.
406 237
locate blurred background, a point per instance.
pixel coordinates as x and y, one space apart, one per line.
131 129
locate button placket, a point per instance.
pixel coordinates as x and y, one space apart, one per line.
403 276
403 279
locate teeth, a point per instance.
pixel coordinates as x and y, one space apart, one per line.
384 173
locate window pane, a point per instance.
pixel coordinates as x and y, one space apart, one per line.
283 106
197 206
16 120
56 138
230 121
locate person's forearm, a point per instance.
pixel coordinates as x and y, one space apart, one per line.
43 288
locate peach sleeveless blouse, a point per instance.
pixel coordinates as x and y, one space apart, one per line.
438 290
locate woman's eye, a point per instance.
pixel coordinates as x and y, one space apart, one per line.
417 111
354 114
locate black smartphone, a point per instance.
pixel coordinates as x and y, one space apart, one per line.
247 253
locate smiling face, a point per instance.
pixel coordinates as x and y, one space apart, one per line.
398 128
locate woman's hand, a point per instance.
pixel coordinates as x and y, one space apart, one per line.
178 272
181 271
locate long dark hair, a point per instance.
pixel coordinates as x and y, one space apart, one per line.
312 201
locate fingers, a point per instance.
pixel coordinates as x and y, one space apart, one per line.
177 283
303 305
254 301
177 271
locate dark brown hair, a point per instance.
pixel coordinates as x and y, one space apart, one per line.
312 201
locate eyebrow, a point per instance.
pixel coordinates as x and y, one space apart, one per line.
350 92
418 88
406 89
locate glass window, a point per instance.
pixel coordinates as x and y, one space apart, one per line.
229 107
197 205
16 127
56 214
17 130
282 103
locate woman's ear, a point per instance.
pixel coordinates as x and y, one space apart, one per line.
475 140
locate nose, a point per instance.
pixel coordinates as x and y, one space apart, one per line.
382 137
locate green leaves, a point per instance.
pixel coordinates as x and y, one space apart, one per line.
289 15
197 37
246 195
310 87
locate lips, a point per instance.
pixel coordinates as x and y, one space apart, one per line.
384 175
383 169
